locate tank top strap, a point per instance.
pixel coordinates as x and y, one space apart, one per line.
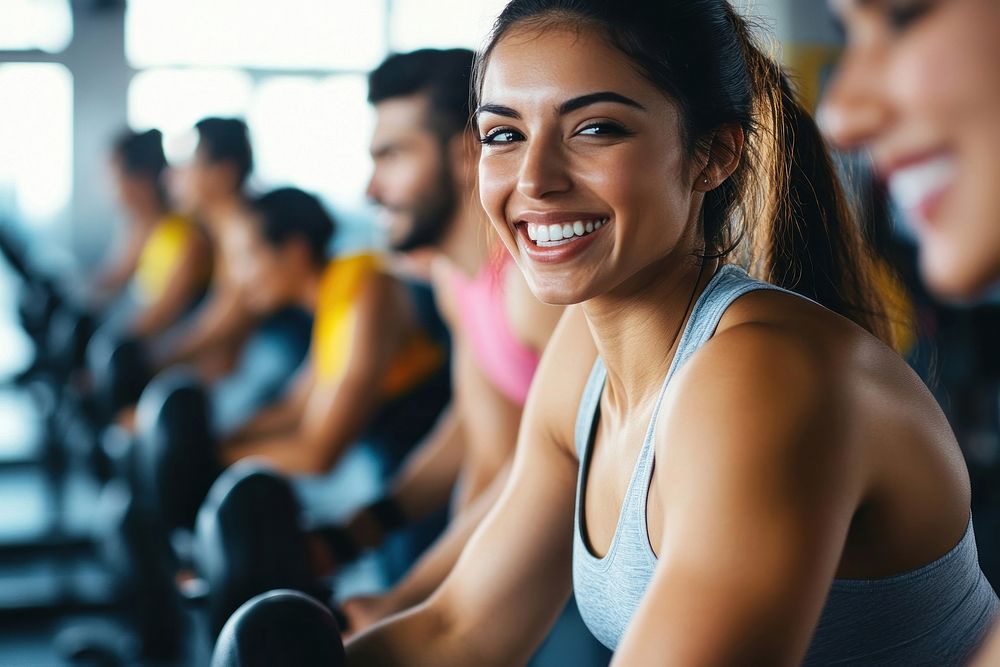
729 283
589 402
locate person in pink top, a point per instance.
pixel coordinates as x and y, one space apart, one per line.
484 318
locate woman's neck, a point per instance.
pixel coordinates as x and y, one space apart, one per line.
638 325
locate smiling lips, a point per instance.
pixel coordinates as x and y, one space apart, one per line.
549 235
919 188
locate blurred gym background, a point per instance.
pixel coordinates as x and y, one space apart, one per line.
74 73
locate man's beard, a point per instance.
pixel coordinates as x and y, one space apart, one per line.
431 216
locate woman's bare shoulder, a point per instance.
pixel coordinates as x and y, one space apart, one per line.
779 364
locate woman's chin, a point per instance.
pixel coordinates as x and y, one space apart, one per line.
958 276
557 293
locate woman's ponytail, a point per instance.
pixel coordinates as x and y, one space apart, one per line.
803 235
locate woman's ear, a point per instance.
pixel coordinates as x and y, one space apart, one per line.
724 154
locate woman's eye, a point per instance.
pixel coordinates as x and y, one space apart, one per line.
902 15
604 130
500 136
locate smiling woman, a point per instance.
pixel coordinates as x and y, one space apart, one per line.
918 87
731 473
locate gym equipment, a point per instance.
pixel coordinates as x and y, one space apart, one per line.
133 547
175 456
281 628
248 541
119 370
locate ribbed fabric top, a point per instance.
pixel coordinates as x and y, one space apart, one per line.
935 615
506 361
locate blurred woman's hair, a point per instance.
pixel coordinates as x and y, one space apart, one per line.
140 155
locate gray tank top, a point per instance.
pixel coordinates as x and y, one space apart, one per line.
935 615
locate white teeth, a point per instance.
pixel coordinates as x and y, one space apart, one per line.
911 186
545 234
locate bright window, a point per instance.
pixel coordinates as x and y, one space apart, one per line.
173 100
442 23
306 130
264 34
313 133
36 134
46 25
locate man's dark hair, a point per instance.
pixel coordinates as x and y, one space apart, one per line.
140 153
444 75
227 140
289 213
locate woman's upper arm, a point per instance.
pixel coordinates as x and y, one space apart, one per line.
514 575
517 569
758 488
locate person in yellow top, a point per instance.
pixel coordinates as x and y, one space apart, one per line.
370 353
211 187
165 258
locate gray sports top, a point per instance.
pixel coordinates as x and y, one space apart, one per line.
935 615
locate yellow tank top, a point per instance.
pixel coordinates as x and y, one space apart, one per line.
161 255
333 329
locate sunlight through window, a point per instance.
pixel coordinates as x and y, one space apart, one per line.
36 140
291 34
46 25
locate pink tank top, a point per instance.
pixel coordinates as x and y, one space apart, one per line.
507 362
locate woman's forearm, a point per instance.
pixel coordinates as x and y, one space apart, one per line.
432 568
419 636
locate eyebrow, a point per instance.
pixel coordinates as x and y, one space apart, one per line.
497 110
593 98
566 107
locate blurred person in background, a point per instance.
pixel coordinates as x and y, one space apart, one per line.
377 373
165 258
369 348
245 357
918 90
211 189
